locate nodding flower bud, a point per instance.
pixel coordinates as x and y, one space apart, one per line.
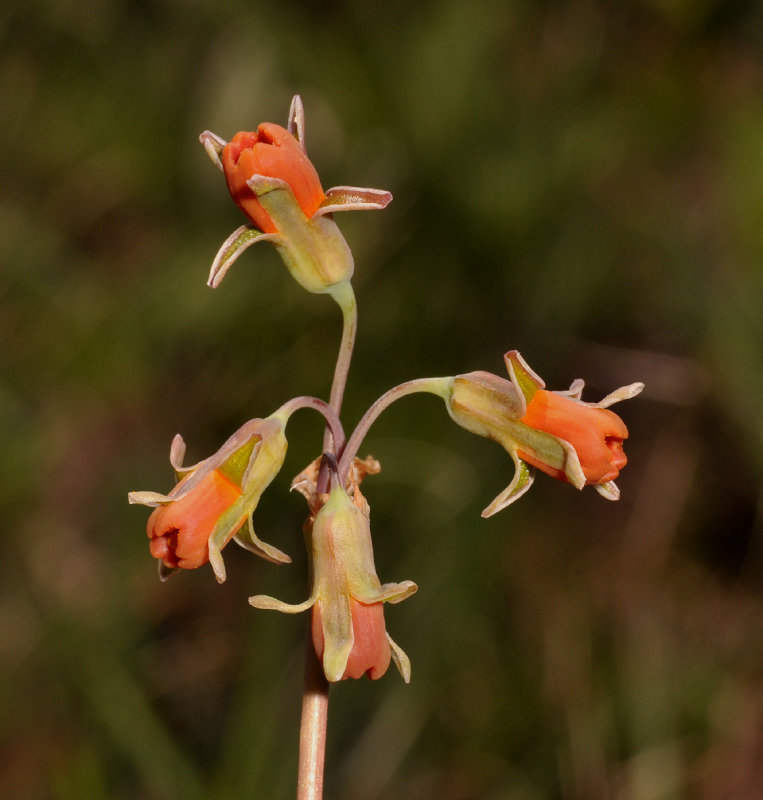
573 441
213 500
349 634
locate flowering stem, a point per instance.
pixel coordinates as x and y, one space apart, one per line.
345 297
315 697
438 386
333 423
312 734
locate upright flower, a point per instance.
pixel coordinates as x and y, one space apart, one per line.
274 183
580 443
213 500
348 629
272 152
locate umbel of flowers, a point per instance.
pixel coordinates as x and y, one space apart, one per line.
274 184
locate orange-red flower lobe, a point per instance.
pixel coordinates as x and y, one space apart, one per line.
596 434
179 531
271 151
370 654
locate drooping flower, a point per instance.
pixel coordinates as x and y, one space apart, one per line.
213 500
573 441
348 629
274 183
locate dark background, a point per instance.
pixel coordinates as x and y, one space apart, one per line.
582 181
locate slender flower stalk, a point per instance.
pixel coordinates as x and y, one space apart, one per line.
437 386
312 732
315 693
333 423
345 298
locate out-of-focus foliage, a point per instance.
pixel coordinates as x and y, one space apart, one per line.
580 180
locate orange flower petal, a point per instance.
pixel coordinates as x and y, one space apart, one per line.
179 531
271 151
370 654
596 434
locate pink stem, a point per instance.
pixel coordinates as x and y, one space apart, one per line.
438 386
315 697
312 735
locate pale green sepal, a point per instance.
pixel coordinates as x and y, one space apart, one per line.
216 560
151 499
486 404
572 468
391 593
338 634
248 539
608 490
313 250
296 123
268 603
575 392
240 461
402 662
549 449
214 146
523 479
353 198
527 381
253 428
623 393
177 454
266 459
232 248
227 525
263 185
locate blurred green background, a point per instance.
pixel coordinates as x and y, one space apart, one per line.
579 180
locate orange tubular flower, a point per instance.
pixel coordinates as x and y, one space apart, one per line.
213 500
596 434
179 532
573 441
348 629
273 152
